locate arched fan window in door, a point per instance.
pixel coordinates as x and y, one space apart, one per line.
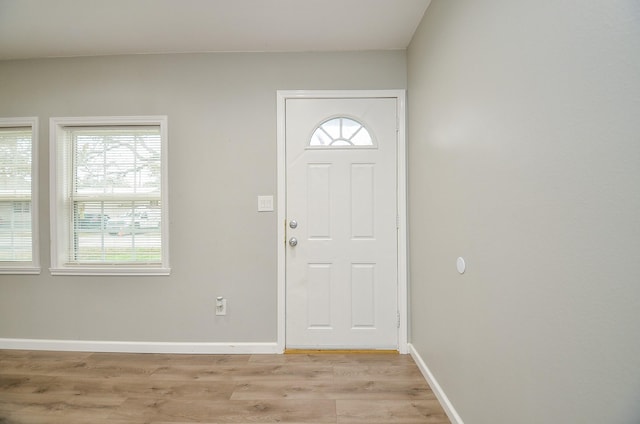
341 132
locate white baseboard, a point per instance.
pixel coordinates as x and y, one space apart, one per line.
140 347
437 390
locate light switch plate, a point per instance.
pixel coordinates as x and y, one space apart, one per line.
265 203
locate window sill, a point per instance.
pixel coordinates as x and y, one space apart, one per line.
20 270
124 271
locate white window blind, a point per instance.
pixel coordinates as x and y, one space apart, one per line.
17 245
110 210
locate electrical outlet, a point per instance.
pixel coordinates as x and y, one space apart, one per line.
221 306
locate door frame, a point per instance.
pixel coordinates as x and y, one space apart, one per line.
401 188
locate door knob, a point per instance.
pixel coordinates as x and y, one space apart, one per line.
293 241
293 224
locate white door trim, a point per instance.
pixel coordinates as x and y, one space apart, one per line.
400 95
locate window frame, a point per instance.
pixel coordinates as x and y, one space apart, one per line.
33 266
60 227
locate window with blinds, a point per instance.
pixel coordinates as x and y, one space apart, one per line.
18 214
111 209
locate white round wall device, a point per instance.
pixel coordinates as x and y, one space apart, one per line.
461 265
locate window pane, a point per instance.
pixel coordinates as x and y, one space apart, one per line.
362 138
15 194
320 138
341 143
15 231
332 127
116 232
349 127
117 161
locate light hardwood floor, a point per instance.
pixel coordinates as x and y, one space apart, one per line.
68 387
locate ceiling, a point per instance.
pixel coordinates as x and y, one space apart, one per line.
61 28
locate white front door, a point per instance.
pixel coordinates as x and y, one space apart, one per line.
341 227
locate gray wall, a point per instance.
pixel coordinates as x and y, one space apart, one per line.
524 158
222 155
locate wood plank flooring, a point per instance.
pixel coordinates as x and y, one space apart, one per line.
71 388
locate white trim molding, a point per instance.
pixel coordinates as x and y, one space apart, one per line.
140 347
446 404
19 270
400 95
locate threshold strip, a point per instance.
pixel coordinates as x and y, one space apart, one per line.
341 352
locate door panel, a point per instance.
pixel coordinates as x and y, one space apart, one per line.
341 277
